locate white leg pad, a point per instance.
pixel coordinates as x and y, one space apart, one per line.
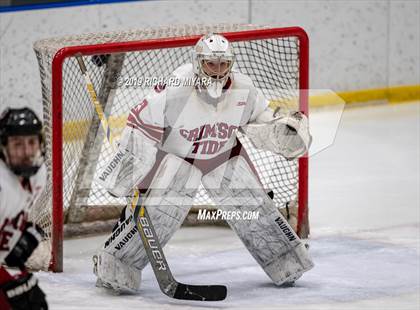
171 195
269 239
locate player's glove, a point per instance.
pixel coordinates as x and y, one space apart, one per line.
27 243
23 293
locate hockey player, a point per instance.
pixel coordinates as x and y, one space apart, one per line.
22 179
179 136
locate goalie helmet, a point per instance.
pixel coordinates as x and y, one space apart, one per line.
212 61
22 159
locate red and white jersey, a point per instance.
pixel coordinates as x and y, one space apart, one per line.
15 202
189 123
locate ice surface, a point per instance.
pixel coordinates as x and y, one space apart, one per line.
365 226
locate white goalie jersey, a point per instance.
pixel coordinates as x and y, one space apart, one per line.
188 123
185 122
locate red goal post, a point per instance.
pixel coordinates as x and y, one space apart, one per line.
52 56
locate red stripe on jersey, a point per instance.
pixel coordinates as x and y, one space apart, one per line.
155 133
135 112
155 136
134 119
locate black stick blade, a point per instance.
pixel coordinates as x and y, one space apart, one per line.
200 292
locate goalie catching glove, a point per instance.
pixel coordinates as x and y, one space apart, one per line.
287 135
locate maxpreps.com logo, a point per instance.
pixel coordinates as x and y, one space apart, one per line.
214 215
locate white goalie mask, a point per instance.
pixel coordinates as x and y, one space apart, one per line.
212 61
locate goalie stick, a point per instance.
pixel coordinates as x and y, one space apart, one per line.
167 283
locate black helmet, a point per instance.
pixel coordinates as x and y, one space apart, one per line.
21 122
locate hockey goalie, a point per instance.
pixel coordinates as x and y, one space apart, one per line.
182 135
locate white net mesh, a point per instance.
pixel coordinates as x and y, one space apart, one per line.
272 64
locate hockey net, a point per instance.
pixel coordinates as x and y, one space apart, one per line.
275 59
